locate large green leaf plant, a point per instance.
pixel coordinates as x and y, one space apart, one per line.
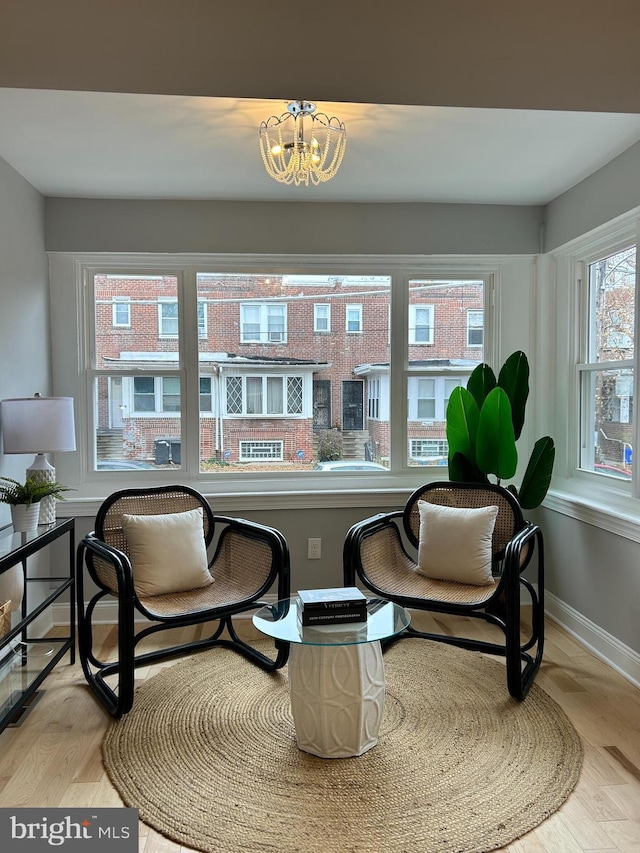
484 422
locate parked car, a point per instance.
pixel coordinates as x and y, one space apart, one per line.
349 465
612 471
122 465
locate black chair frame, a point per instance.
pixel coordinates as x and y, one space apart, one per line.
92 548
503 608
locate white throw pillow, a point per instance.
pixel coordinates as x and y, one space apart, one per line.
455 543
167 552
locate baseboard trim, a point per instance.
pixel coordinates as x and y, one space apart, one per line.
599 642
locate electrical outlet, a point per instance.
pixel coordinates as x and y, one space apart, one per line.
314 549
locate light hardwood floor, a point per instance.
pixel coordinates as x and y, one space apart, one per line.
53 758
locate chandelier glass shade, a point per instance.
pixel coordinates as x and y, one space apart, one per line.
302 146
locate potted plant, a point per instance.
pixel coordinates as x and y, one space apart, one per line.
24 500
484 422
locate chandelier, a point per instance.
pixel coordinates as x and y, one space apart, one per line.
302 146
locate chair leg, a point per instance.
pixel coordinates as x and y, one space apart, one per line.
252 654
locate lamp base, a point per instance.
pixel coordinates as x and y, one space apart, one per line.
43 472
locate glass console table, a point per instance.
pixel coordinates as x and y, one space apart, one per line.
25 660
336 675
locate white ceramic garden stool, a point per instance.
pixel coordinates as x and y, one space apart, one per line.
337 698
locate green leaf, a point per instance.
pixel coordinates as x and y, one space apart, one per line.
461 470
495 440
514 379
537 477
481 381
462 423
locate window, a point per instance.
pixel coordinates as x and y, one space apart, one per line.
607 373
374 398
429 451
270 451
475 328
121 311
220 377
206 396
156 394
421 324
264 395
263 323
426 401
354 318
168 319
321 318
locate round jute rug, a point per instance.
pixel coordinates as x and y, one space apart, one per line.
208 755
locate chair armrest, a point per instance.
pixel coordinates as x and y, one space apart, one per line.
367 527
281 562
115 558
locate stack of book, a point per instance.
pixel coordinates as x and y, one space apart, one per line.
331 606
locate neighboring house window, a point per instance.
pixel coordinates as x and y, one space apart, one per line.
156 394
607 372
264 395
475 328
434 451
260 450
263 323
429 396
354 318
373 406
420 324
426 399
322 318
168 318
121 311
206 397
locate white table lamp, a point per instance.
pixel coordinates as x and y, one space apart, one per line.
39 425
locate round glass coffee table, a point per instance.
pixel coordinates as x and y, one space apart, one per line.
336 675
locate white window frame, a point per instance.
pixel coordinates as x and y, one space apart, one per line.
118 303
414 308
610 503
75 371
265 334
326 309
357 309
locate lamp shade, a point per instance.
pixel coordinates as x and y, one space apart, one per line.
38 425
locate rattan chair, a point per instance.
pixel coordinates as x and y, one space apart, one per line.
379 552
249 558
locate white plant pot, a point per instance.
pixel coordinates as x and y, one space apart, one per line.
25 518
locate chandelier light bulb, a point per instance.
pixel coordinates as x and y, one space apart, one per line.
292 156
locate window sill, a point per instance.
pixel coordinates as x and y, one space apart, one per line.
616 513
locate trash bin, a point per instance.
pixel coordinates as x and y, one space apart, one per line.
176 451
161 451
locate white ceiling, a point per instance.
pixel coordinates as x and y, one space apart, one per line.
109 145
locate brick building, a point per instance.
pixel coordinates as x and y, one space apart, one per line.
282 359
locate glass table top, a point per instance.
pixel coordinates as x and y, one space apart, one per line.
280 620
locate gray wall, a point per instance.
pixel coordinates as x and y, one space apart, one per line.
102 225
544 55
596 573
610 192
24 331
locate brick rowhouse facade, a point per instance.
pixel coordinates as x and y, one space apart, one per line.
319 346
